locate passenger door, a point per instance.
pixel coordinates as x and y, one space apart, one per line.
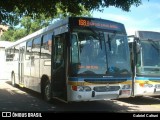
59 67
21 66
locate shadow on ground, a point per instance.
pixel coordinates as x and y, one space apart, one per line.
38 104
147 100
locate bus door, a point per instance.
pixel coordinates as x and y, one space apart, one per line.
21 66
59 67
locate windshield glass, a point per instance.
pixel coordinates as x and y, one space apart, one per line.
99 52
149 58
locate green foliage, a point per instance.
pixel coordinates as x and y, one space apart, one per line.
12 35
28 25
34 8
32 15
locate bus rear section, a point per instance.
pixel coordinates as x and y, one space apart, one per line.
145 54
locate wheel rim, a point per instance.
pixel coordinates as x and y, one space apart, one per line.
13 82
47 92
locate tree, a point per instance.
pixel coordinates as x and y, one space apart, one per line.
34 8
28 25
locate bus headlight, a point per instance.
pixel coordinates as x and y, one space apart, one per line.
148 85
83 88
126 87
87 88
80 88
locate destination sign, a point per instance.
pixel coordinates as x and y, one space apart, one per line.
97 23
83 22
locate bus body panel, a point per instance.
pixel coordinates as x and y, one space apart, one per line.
144 86
145 57
99 90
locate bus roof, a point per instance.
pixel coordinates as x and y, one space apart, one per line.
62 25
145 35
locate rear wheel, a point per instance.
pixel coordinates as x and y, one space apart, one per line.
47 91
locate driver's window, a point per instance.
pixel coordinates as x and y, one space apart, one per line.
120 49
58 51
74 48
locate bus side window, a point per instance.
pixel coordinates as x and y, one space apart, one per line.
58 51
16 53
28 49
50 45
9 55
36 47
74 48
46 46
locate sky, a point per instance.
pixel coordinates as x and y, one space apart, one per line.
144 17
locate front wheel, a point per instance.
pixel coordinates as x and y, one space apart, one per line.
47 91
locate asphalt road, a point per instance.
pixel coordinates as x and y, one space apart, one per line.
18 99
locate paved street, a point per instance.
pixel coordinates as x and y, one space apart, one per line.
15 99
18 99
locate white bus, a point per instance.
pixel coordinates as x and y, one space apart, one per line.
145 57
75 59
3 70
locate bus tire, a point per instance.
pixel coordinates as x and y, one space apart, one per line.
13 80
47 91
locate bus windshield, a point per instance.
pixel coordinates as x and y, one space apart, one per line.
97 52
149 58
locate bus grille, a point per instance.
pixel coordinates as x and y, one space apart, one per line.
157 86
104 81
106 89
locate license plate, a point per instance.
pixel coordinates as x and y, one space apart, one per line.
126 92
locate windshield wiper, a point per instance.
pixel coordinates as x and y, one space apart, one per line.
109 43
154 44
88 72
110 38
100 35
101 38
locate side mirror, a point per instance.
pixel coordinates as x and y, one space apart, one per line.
138 47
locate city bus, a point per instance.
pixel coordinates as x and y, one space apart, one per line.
145 62
74 59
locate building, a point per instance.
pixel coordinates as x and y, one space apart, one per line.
3 74
3 28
